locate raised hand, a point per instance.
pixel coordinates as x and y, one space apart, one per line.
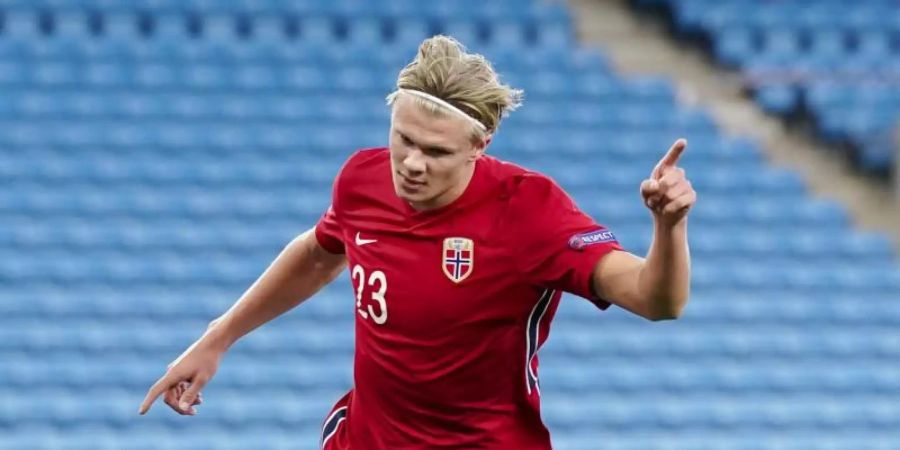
668 192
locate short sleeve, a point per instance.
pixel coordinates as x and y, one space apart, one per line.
557 245
328 229
328 232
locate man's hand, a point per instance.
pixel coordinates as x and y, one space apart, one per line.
184 379
668 193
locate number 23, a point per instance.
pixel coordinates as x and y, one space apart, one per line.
376 277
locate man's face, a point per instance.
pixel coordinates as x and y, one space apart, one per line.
431 157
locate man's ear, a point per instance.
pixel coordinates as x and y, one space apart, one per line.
481 147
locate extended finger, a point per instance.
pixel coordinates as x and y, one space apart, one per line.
671 157
155 391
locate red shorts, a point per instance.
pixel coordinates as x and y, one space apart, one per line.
334 431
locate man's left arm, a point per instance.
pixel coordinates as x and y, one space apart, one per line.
656 287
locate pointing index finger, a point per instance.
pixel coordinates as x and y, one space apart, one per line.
671 157
155 391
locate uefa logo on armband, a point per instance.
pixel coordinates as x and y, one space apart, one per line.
458 258
580 241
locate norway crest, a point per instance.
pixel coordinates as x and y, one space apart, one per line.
458 258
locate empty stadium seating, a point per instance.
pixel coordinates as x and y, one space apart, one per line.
155 156
837 62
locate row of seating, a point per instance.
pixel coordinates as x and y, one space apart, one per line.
830 309
792 62
604 410
826 51
258 249
335 108
207 169
812 15
591 94
707 151
274 438
221 437
151 237
281 54
458 9
525 32
194 80
793 216
760 340
281 440
184 201
738 413
105 302
319 137
179 271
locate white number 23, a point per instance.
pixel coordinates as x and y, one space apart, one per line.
375 278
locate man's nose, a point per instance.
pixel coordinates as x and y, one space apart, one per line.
414 162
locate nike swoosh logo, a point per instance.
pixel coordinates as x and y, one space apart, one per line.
361 241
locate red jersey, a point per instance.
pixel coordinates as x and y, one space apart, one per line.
453 304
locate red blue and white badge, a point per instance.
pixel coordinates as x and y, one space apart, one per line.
458 259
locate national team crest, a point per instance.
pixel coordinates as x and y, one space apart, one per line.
458 258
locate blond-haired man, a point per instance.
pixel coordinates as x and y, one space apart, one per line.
457 261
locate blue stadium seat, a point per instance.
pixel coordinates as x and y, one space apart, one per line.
733 45
171 27
782 42
22 24
875 43
121 26
368 31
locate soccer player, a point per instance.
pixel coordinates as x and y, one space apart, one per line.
457 262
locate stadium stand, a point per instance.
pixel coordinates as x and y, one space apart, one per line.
155 156
836 62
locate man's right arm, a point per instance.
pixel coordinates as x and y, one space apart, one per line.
301 270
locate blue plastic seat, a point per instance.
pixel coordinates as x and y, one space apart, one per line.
22 24
466 31
72 25
778 98
171 27
121 25
733 45
867 16
317 30
365 31
875 43
555 35
509 34
821 15
222 28
784 41
202 77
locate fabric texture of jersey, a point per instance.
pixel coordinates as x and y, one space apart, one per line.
452 305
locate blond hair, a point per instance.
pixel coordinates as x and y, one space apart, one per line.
443 69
